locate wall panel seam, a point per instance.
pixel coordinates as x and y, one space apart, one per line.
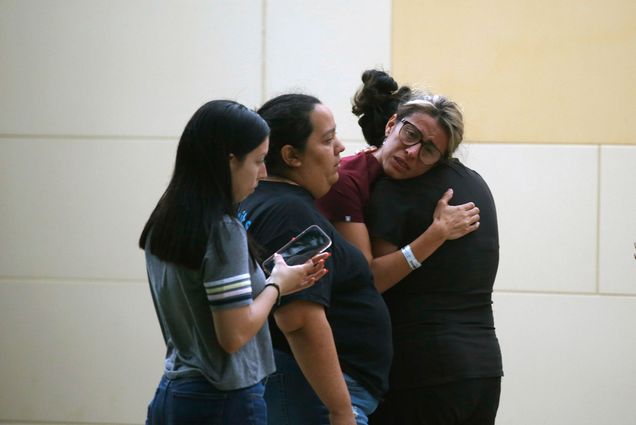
8 136
263 51
564 293
23 422
7 280
598 217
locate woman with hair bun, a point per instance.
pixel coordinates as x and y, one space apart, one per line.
413 132
447 365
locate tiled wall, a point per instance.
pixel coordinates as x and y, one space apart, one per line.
550 71
547 190
565 299
94 96
548 93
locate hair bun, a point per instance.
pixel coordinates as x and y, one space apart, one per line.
377 88
379 81
375 102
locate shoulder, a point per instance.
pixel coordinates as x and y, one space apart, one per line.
386 186
351 167
232 227
354 161
362 164
454 165
276 216
229 236
465 172
292 203
273 201
357 171
346 198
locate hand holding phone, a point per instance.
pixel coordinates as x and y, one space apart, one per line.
297 278
310 242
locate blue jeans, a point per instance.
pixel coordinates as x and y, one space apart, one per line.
363 402
196 401
292 401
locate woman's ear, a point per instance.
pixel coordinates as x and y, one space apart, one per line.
233 161
290 156
390 124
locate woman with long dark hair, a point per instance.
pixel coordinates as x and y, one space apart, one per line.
211 297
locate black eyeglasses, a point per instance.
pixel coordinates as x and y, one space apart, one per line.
411 136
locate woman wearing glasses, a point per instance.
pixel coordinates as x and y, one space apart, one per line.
413 132
447 364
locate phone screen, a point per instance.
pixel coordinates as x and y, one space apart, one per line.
311 241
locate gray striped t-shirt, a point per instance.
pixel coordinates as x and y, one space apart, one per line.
185 299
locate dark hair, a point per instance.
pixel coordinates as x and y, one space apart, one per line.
375 102
191 209
288 117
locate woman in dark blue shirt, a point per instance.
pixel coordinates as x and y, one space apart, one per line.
337 332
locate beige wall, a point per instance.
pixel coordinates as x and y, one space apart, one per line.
93 98
548 90
547 71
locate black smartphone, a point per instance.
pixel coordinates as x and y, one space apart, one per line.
311 241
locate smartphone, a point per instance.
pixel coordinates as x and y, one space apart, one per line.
311 241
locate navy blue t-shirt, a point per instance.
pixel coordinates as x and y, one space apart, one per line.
358 316
443 328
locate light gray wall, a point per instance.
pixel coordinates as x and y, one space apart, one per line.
94 96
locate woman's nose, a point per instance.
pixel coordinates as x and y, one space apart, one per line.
414 150
339 146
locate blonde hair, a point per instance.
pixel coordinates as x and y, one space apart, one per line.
445 111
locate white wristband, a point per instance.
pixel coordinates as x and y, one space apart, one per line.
410 258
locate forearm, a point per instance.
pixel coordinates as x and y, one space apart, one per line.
389 265
314 349
428 242
260 310
234 327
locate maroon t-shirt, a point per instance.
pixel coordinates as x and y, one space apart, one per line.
347 198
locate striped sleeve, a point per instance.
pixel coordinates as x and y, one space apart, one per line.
226 276
229 292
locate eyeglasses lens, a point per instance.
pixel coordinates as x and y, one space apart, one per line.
410 135
429 153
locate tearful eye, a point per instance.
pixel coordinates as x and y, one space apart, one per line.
409 134
429 148
412 135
